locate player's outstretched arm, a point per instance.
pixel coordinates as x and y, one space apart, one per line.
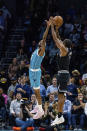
57 41
46 31
57 32
43 41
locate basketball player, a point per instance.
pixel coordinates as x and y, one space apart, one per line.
35 72
63 73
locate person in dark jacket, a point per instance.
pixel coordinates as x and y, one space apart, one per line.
24 89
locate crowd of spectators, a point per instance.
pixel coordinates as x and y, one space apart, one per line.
17 96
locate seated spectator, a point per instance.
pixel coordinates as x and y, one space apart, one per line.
13 68
50 102
33 100
49 110
78 114
51 99
53 88
25 117
84 87
72 91
2 106
24 89
67 113
15 109
11 89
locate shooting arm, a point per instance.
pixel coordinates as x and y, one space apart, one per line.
58 42
57 33
54 34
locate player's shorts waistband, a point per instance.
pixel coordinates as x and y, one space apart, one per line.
35 69
63 71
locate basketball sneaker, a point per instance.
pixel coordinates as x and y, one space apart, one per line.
39 114
58 121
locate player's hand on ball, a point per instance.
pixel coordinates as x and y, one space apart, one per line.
58 21
48 22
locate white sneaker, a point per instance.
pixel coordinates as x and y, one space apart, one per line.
39 114
75 129
58 120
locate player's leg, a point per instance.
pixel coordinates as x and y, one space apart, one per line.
36 86
63 78
32 83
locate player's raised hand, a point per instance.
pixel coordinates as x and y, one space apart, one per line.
48 22
51 20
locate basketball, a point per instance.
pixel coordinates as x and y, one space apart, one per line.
58 21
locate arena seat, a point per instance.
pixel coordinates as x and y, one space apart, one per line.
28 129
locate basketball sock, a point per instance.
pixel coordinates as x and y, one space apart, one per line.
37 93
60 114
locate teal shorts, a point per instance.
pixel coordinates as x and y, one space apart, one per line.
35 77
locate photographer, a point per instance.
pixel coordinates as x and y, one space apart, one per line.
25 120
49 110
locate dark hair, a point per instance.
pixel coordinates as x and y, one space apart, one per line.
55 76
67 43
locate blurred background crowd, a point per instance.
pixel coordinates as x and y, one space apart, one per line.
21 28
